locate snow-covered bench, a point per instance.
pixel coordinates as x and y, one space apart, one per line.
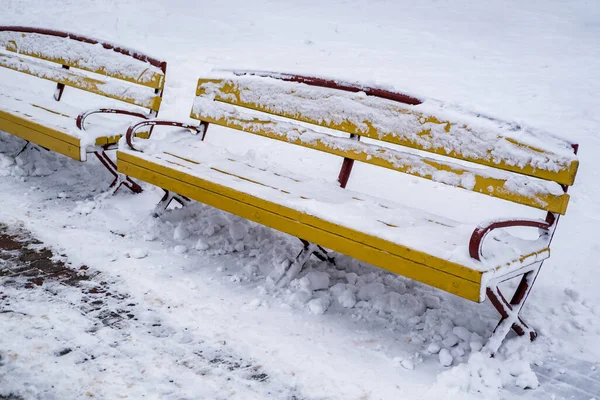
504 161
106 71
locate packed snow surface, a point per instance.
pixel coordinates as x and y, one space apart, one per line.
201 281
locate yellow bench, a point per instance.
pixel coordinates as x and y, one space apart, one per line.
102 69
523 166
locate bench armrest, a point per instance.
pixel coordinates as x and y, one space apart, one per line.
196 129
479 234
82 116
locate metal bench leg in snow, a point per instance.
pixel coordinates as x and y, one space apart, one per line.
167 199
22 150
510 311
120 179
294 269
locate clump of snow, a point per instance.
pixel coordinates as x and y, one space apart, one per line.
138 253
347 299
317 280
85 207
485 375
371 291
238 231
319 305
201 245
180 249
445 357
451 340
462 333
402 305
433 348
181 232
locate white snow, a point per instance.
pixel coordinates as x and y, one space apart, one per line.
445 358
533 64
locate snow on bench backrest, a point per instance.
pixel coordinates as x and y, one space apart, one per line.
528 167
127 67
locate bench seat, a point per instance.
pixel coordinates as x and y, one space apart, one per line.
408 241
51 124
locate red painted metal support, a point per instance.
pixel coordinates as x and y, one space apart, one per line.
60 88
479 234
166 200
347 165
80 38
331 84
168 196
80 122
120 179
199 129
510 311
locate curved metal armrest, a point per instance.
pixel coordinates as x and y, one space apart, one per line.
196 129
82 116
479 234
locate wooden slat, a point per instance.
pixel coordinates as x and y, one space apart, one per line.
42 137
114 139
45 130
473 179
60 135
121 91
233 91
150 76
262 212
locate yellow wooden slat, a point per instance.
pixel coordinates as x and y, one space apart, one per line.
42 138
230 91
62 136
388 158
114 139
150 77
237 205
36 126
122 92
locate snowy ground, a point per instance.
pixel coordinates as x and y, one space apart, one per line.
207 322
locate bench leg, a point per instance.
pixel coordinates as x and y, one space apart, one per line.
120 179
294 269
28 145
510 311
23 149
167 199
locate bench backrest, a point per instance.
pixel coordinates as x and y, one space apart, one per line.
520 165
133 77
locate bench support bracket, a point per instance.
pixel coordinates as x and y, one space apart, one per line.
510 311
167 198
295 267
120 179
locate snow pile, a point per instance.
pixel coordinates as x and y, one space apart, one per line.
33 161
484 376
365 291
417 313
